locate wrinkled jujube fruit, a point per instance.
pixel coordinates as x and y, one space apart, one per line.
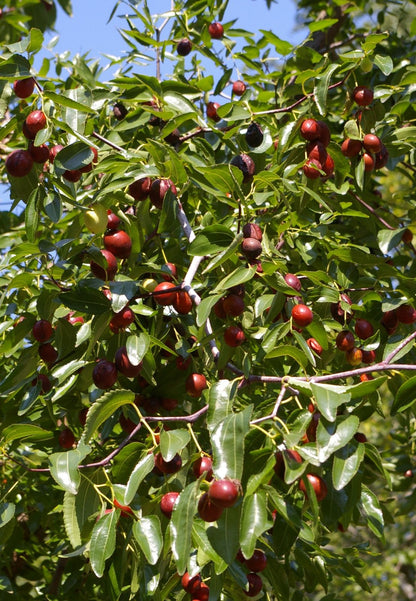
246 164
254 135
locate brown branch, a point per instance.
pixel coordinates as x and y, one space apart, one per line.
373 212
111 144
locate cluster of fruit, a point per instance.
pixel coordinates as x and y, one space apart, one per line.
318 136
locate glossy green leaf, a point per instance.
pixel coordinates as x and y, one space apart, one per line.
87 300
371 509
104 408
181 525
253 521
331 436
7 511
321 88
103 542
220 403
172 442
238 276
346 464
203 310
212 239
227 442
64 469
404 397
77 509
328 398
139 473
25 432
148 534
224 533
137 347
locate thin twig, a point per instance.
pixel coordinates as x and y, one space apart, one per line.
111 144
372 211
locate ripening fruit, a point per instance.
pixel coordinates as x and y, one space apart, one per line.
140 188
337 311
407 236
362 95
169 272
354 356
66 439
368 356
167 503
315 346
345 340
203 465
252 230
184 47
195 384
257 562
251 248
113 221
328 166
246 164
363 329
23 88
124 365
372 143
293 281
223 493
310 129
318 485
126 511
406 314
312 169
45 383
212 108
302 315
87 168
96 219
19 163
54 151
121 320
34 122
216 30
191 585
255 584
48 353
118 242
104 374
390 321
158 191
234 336
72 175
381 158
42 330
168 467
40 154
182 302
233 305
350 148
108 272
164 294
317 151
239 87
207 510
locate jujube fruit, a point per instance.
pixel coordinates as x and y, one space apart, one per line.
191 584
121 320
42 330
216 30
372 143
293 281
47 352
126 511
119 243
104 374
318 485
233 305
362 95
315 346
109 271
19 163
66 439
212 108
310 129
350 148
255 584
167 503
312 169
254 135
354 356
257 562
234 336
223 493
195 384
406 314
363 329
184 47
302 315
201 466
40 154
34 122
252 230
23 88
164 293
168 467
140 188
124 365
207 510
246 164
239 87
158 191
251 248
345 340
182 302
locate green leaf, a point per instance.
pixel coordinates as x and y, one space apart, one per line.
66 101
7 511
137 347
17 67
142 469
224 255
78 508
173 441
253 521
86 300
286 350
238 276
203 310
73 156
282 47
329 398
211 240
104 408
227 442
384 63
331 436
202 543
389 239
346 463
103 542
148 534
224 535
64 469
220 403
404 397
32 214
181 525
321 88
321 24
370 508
25 432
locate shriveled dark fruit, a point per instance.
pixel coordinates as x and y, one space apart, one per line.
119 111
173 138
113 221
255 585
354 356
158 191
203 465
124 365
121 320
315 346
350 148
40 154
167 503
163 293
184 47
72 175
170 272
239 87
254 135
34 122
104 374
251 248
363 329
168 467
45 383
66 439
207 510
317 151
195 384
360 437
252 230
42 330
381 158
182 303
293 281
119 243
318 485
233 305
345 340
406 314
109 271
212 108
362 95
23 88
47 352
234 336
140 188
216 30
372 143
312 169
257 562
310 130
223 493
302 315
246 164
338 312
368 356
191 584
19 163
53 151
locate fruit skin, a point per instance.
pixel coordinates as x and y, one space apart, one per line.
279 466
39 154
195 384
328 166
46 384
72 175
354 356
124 365
211 111
293 281
216 30
312 169
182 303
105 273
252 230
54 151
406 314
113 221
207 510
158 191
104 374
246 164
165 297
315 346
47 352
368 356
317 151
184 47
345 340
121 320
168 467
66 439
140 188
233 305
372 143
234 336
167 503
201 466
369 162
350 148
119 111
362 95
191 585
23 88
337 311
390 321
257 562
254 135
239 87
202 593
170 272
255 584
42 330
302 315
126 511
119 243
96 219
223 493
34 122
251 248
310 129
407 236
363 329
19 163
318 485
